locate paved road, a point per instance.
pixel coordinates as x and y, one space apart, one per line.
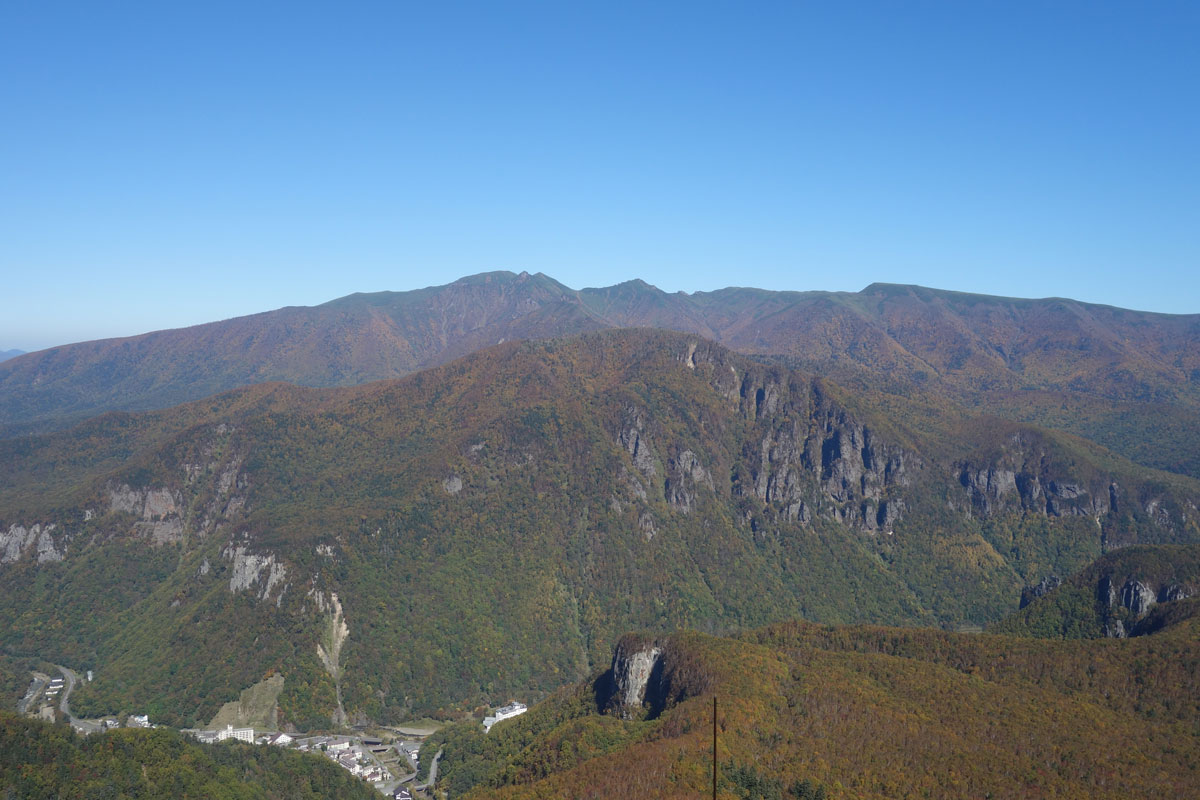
64 706
432 771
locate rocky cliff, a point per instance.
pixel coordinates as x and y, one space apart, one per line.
650 675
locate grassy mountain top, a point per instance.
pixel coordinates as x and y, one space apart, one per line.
808 711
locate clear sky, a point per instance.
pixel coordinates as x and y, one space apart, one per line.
164 164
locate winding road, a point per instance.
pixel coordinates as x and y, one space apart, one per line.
81 725
432 772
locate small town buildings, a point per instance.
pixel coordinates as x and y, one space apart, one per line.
138 721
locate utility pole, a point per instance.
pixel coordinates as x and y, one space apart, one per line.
714 747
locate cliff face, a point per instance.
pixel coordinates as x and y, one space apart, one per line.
36 542
801 455
1027 477
1030 473
816 460
649 675
635 677
204 494
1126 605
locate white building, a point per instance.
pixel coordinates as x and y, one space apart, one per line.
241 734
504 712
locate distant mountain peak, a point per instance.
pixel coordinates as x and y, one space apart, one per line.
882 287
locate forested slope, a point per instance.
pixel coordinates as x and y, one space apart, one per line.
488 528
1129 592
807 711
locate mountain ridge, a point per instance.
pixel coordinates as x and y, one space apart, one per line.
1087 368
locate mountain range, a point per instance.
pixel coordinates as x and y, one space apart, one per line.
1126 379
428 502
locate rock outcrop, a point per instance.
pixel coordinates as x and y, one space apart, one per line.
633 437
685 474
633 663
993 489
1172 592
35 542
1028 476
1040 589
1137 597
811 458
254 571
1127 603
651 674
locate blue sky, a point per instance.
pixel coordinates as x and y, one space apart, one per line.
164 164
